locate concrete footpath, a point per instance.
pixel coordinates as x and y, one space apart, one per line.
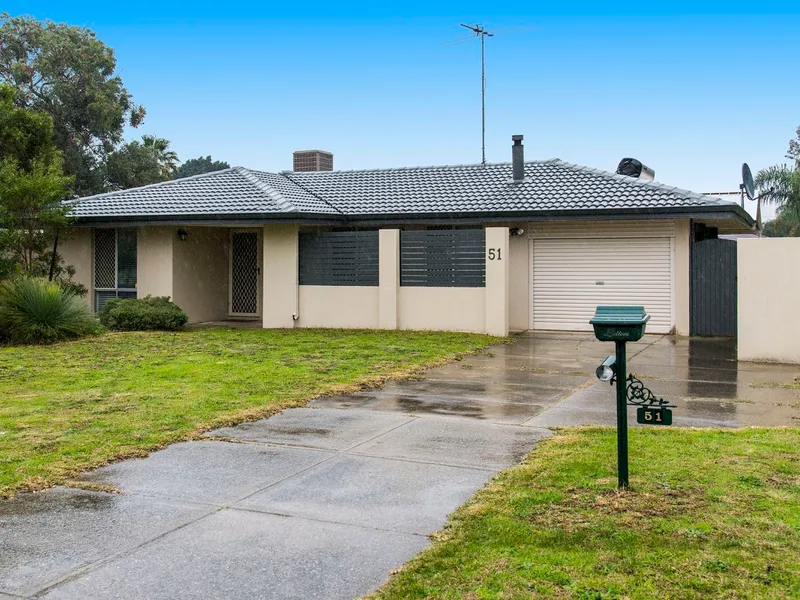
324 501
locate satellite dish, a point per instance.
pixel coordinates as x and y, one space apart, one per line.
747 182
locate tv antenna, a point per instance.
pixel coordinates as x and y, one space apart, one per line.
479 31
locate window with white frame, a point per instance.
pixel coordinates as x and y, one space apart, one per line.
114 265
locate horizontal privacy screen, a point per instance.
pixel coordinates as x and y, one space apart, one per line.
339 258
443 258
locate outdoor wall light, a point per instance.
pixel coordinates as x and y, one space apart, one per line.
607 370
516 231
182 235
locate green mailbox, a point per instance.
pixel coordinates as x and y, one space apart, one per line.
619 323
622 324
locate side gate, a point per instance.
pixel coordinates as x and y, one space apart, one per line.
713 288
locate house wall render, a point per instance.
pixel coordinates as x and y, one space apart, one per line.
76 250
195 273
154 268
768 290
200 273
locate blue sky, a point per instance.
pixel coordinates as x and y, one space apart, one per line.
691 91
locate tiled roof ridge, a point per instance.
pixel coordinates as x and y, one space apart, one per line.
417 168
271 192
317 196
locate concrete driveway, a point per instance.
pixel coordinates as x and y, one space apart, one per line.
324 501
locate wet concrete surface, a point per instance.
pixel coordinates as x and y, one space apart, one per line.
243 554
62 532
325 501
700 376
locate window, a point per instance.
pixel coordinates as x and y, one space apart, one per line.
114 265
443 258
339 258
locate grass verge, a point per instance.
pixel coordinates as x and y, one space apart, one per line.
78 405
710 514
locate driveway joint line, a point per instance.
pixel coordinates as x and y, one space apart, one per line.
438 464
257 511
333 454
92 566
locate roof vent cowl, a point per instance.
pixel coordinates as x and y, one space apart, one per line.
517 159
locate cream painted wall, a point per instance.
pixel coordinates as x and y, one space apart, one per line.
497 270
519 281
389 277
768 292
75 248
280 284
154 261
681 276
200 270
445 309
351 307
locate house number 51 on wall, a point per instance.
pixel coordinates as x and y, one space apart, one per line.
494 254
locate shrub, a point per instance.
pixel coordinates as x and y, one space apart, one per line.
143 314
36 311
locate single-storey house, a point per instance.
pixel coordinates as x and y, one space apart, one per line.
484 248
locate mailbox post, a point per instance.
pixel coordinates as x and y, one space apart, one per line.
619 324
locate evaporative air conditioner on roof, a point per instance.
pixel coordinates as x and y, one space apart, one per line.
634 168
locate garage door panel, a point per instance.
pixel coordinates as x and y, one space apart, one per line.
571 277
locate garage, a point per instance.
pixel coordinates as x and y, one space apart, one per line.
574 272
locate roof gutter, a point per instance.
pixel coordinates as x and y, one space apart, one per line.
734 212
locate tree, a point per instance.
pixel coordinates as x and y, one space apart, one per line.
198 166
133 165
785 224
68 73
167 159
780 185
32 190
794 149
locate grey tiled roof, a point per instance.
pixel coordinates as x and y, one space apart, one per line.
551 185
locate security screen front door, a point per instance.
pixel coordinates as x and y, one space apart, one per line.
245 274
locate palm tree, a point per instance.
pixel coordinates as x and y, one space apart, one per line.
780 185
167 159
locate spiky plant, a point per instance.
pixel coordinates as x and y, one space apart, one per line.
35 311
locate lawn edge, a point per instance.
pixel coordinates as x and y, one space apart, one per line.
69 477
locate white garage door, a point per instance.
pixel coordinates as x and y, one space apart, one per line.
573 276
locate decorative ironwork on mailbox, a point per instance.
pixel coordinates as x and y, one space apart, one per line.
622 324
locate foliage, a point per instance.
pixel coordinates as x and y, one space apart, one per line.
198 166
794 148
32 189
132 165
35 311
785 224
143 314
710 514
780 185
68 73
167 159
69 407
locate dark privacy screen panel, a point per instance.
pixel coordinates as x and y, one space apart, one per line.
339 258
443 258
126 258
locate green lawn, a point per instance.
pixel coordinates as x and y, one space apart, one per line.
72 406
710 514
